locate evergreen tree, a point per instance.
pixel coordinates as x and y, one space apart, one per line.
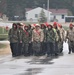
42 17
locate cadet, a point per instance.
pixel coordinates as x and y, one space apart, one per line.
70 37
25 40
57 38
50 38
13 38
37 39
44 46
30 40
62 34
20 36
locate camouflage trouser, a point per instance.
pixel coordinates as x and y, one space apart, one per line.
25 49
44 48
30 49
60 46
56 48
71 45
50 48
36 47
19 49
14 49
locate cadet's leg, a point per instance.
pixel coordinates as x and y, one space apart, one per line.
48 49
15 49
30 49
52 49
19 48
11 46
61 48
56 48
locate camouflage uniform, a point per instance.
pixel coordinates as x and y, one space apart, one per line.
57 39
25 42
13 38
70 37
20 38
37 39
62 34
50 38
30 42
44 44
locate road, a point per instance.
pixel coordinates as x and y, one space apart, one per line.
62 65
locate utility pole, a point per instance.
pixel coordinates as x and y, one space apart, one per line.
48 11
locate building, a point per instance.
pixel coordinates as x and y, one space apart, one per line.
32 15
58 15
54 14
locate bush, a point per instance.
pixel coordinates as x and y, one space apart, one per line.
3 37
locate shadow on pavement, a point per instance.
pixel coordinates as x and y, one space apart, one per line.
41 61
32 71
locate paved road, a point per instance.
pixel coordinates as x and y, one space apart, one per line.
62 65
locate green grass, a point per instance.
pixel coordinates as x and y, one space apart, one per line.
3 34
3 31
2 46
3 37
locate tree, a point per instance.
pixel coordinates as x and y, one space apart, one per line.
42 17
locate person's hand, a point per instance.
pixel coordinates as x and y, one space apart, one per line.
65 41
20 41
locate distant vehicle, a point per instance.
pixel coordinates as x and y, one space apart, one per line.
17 18
69 19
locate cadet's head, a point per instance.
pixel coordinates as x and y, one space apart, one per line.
71 26
14 25
49 26
55 25
29 26
43 26
59 25
26 27
37 26
19 25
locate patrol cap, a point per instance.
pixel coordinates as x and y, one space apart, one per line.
59 25
25 25
71 25
50 26
46 24
19 24
37 25
55 24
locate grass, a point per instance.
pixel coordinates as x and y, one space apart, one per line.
3 37
2 46
3 34
3 31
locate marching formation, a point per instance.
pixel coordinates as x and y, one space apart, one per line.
40 39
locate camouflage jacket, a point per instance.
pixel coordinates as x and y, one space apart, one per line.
57 35
25 37
70 34
13 35
62 34
37 36
50 36
44 31
20 35
30 35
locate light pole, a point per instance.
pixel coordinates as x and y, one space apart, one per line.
47 10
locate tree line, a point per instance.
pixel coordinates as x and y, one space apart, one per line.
14 7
